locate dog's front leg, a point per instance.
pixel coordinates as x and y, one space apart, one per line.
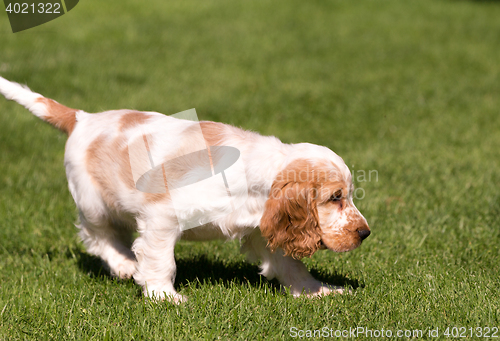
154 250
290 272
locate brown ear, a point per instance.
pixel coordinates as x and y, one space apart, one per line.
290 220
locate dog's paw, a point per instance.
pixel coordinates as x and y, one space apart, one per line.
320 290
327 289
176 299
125 269
159 295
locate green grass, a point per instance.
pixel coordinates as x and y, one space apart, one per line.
407 88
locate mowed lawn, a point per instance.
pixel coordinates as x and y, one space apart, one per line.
407 92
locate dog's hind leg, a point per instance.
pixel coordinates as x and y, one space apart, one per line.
154 249
103 239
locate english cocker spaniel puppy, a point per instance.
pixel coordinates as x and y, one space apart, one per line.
174 178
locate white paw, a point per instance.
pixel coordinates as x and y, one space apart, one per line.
177 299
321 290
326 289
169 296
125 269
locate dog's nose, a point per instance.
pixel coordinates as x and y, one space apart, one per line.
363 234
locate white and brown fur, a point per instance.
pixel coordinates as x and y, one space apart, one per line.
299 196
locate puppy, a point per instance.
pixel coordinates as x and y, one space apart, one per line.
170 178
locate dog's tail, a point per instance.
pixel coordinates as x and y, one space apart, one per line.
60 116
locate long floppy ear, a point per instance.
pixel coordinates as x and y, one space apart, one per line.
290 220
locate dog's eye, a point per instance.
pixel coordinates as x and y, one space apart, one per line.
337 196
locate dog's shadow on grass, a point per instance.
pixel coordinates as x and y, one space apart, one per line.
201 269
91 265
213 271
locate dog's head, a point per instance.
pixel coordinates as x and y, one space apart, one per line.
310 207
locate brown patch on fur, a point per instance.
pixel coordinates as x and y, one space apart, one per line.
132 119
99 166
155 197
126 172
108 164
290 220
213 132
60 116
342 242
